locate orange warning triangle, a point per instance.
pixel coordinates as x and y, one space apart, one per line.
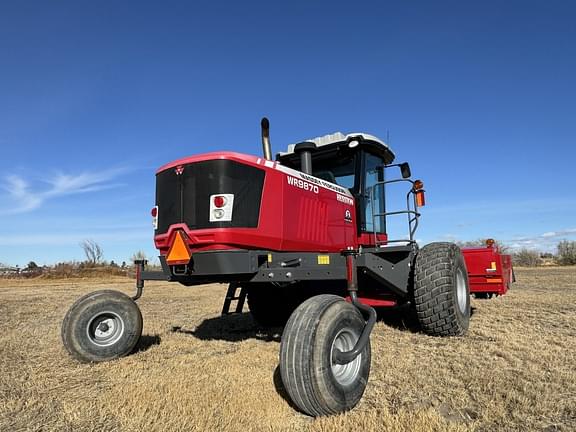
179 252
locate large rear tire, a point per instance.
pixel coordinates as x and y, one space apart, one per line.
441 290
316 384
102 326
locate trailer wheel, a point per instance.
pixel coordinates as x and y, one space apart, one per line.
441 290
102 326
316 384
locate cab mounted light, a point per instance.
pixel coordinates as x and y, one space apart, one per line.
420 198
418 188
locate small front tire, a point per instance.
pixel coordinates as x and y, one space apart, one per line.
102 326
316 384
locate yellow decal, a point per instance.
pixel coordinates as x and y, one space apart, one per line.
492 268
323 259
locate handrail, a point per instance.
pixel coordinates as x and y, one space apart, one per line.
411 212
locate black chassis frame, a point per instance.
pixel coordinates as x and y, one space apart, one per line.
390 267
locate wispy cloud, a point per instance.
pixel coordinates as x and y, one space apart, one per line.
25 198
546 241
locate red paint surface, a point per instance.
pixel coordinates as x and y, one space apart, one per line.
375 301
291 219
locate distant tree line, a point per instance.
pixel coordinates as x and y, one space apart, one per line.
94 264
565 255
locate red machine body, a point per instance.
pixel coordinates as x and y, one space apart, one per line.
489 271
294 238
298 212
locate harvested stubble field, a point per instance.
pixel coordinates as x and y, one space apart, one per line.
194 371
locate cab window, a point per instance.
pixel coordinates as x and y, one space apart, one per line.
373 196
340 172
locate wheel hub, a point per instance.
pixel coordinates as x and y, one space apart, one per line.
105 328
461 291
344 341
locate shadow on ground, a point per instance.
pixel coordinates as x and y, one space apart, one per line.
403 318
399 317
146 342
232 328
239 327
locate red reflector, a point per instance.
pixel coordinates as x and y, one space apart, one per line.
154 211
219 201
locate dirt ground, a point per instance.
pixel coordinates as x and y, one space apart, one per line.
195 371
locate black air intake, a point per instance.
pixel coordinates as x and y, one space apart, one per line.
183 194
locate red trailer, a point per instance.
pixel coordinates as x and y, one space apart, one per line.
490 272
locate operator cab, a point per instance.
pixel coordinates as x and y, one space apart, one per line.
354 161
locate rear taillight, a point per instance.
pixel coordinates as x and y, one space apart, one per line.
154 213
221 206
219 201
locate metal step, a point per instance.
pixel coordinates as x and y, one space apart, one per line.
233 295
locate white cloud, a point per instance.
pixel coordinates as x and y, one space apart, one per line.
545 242
24 199
549 234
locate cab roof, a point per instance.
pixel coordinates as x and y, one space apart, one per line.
337 139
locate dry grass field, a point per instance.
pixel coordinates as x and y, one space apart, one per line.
194 371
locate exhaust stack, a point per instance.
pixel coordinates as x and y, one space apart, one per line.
266 148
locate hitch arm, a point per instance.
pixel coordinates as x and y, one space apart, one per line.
143 275
367 311
140 264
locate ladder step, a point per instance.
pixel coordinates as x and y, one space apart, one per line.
231 296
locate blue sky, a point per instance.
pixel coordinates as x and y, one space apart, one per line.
478 96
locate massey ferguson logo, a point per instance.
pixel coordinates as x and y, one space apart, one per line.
179 169
348 216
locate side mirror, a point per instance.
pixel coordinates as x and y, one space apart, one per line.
405 170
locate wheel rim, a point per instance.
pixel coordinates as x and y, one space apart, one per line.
345 374
461 291
105 329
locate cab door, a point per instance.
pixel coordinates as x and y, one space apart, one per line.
371 204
